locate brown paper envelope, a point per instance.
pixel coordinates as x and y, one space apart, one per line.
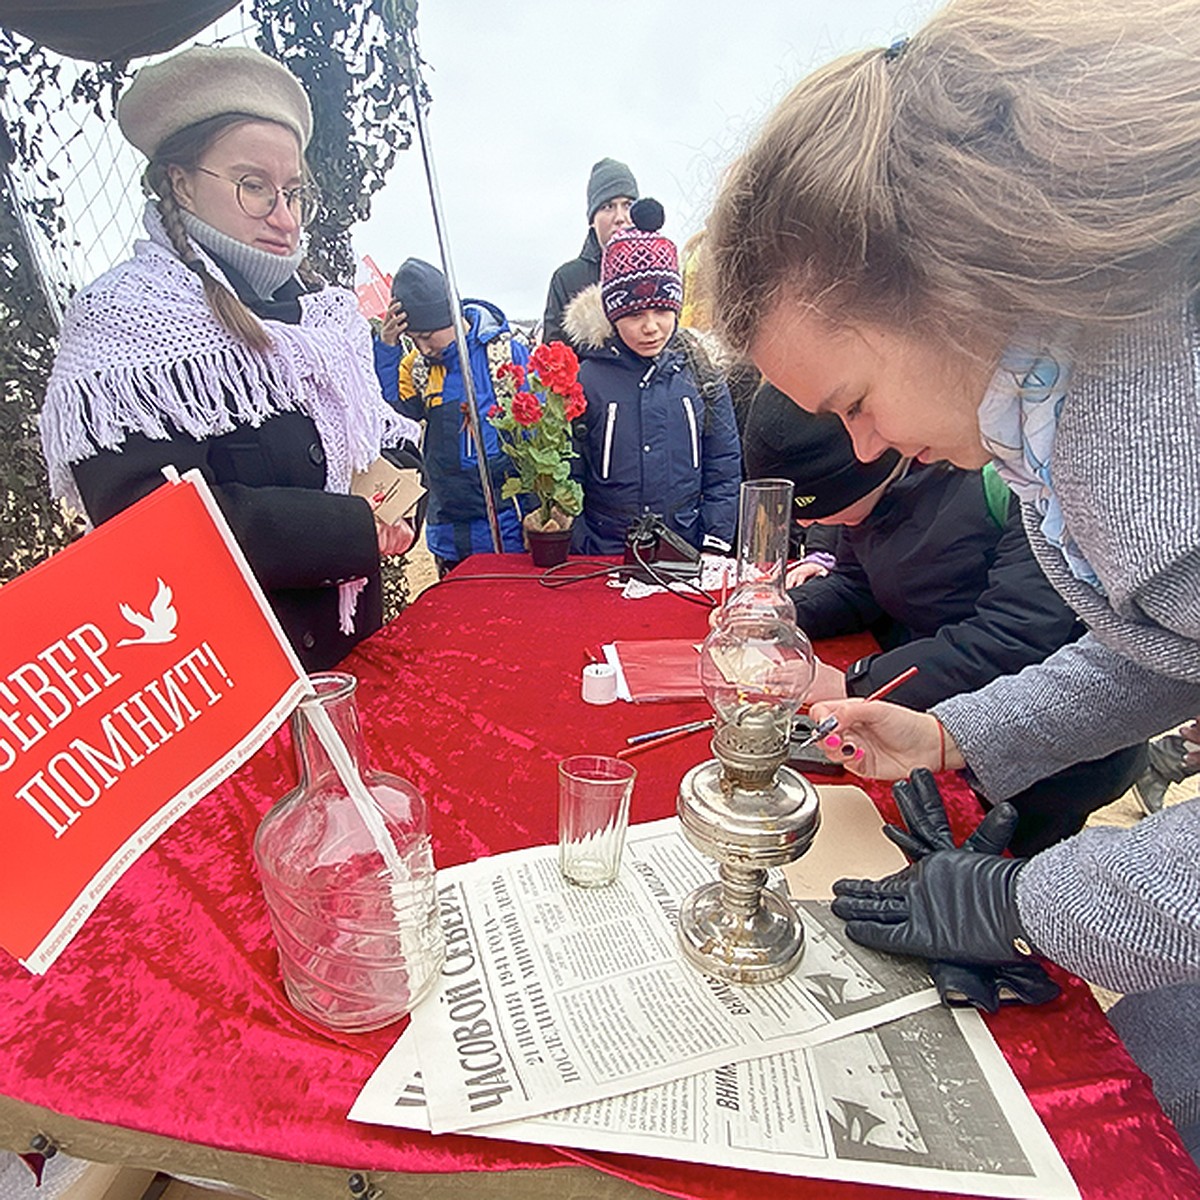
391 491
850 842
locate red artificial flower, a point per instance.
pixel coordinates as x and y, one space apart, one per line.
525 409
495 412
512 370
556 366
576 404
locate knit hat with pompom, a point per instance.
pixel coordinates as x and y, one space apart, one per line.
640 268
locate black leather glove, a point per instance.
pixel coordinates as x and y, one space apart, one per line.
928 830
953 905
924 813
988 988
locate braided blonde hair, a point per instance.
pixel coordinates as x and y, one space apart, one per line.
185 149
1019 162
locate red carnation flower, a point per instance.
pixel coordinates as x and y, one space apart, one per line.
525 409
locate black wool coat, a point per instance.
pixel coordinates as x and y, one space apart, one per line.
566 283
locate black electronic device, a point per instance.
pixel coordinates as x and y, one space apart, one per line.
656 554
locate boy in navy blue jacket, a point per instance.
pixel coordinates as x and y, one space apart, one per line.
426 384
655 438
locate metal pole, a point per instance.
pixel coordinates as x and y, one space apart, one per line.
460 329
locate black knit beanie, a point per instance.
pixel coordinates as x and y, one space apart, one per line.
609 179
813 450
421 288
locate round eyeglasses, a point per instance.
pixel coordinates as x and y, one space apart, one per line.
257 197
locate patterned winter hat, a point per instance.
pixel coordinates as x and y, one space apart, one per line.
640 268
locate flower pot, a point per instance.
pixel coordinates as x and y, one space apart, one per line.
549 547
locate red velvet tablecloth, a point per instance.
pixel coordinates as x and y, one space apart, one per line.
166 1013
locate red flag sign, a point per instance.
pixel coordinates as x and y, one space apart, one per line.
139 667
373 289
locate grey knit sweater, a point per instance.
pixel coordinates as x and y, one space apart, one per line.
1121 908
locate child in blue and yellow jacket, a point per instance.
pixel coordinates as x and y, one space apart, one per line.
426 384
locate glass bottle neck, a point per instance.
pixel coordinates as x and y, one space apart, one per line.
335 698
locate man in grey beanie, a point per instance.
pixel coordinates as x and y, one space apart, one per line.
610 192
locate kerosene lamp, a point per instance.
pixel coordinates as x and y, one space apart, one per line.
744 807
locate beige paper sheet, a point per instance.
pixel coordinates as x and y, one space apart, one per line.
391 491
850 842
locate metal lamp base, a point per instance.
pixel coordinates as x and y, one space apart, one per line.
759 946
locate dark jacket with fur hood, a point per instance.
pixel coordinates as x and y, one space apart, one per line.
651 440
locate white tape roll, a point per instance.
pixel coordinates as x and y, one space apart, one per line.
599 683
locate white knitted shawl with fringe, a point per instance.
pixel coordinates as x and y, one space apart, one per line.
142 352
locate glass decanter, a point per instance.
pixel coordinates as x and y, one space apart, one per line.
352 898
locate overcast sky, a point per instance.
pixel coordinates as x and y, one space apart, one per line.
527 95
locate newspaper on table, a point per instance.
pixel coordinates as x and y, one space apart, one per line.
923 1102
553 995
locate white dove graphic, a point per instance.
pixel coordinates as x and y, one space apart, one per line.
159 626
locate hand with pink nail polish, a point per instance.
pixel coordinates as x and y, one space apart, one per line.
887 741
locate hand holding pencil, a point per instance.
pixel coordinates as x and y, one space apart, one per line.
894 740
673 733
828 724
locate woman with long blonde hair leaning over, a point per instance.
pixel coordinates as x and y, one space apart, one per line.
984 244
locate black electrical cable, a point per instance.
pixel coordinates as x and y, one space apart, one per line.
556 577
702 597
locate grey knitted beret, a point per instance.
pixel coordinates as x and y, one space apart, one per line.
208 81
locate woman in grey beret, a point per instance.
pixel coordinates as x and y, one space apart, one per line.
215 347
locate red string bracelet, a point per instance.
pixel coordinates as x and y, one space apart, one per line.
941 746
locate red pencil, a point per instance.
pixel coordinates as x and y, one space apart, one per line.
893 684
827 726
